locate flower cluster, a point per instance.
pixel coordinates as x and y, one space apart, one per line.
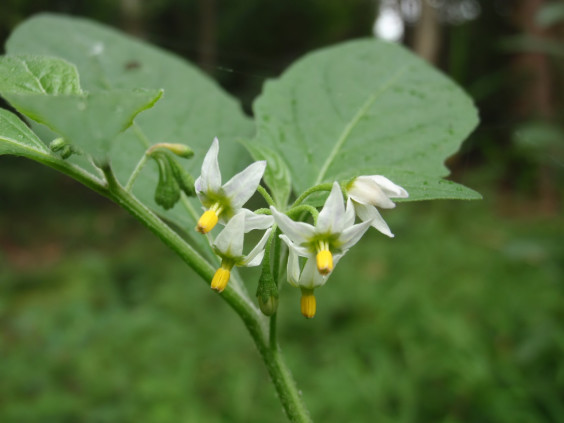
313 249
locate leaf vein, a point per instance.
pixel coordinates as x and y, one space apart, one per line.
350 126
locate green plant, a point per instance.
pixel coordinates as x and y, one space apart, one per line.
118 116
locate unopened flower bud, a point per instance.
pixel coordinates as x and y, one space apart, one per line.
57 144
183 178
167 192
180 150
267 293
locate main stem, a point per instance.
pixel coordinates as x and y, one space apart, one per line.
252 318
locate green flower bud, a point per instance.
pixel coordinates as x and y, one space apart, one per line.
167 192
66 151
267 293
57 144
183 178
180 150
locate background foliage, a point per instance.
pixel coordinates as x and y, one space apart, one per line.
455 320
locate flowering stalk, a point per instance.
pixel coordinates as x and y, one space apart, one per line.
253 319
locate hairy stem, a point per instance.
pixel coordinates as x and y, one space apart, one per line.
252 318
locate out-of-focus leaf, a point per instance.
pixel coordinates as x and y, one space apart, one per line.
550 14
529 43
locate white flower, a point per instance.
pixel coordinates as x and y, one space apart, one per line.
335 231
369 192
224 201
307 279
229 245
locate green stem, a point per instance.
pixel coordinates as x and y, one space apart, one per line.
309 191
265 195
255 323
279 373
304 208
136 172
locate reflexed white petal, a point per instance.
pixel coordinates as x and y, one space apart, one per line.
210 178
249 259
256 221
390 189
243 185
293 268
255 261
366 190
349 214
310 277
331 217
371 214
302 251
352 235
230 240
298 232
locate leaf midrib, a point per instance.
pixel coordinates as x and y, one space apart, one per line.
351 125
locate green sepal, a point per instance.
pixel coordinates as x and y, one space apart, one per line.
167 192
267 292
184 179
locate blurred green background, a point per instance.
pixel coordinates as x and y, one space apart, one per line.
458 319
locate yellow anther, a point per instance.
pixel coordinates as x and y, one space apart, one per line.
308 303
324 262
220 279
207 222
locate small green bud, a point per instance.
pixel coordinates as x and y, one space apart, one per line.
180 150
57 144
167 192
267 293
66 151
183 178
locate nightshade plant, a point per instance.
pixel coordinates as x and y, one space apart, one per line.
338 135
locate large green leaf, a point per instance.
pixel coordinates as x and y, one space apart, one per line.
361 108
193 109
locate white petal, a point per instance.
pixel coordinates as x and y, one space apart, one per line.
293 268
230 240
331 217
210 178
352 235
302 251
255 261
349 214
310 277
366 190
299 232
243 185
252 259
371 214
256 221
390 189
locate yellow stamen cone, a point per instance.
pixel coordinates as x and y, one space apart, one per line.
207 222
324 262
220 279
308 304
